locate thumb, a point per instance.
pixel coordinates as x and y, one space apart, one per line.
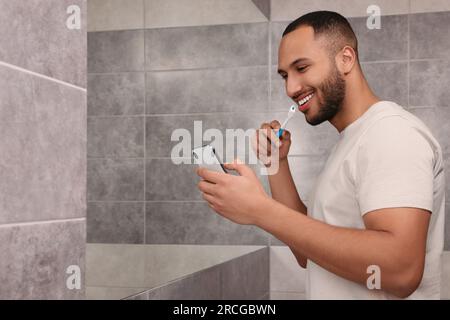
240 167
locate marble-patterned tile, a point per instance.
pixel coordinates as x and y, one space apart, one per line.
25 41
104 15
115 222
116 51
116 94
206 46
115 137
35 257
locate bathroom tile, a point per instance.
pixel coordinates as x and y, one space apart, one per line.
43 149
213 127
428 38
280 295
247 277
106 15
285 272
204 285
116 94
185 260
25 40
388 43
283 10
168 181
115 137
447 216
435 119
276 32
114 265
35 257
218 90
116 51
115 179
16 96
196 223
207 46
445 276
380 78
115 222
419 6
429 83
175 13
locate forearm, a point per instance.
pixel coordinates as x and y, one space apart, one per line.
343 251
283 190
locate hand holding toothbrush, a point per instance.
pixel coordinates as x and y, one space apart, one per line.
273 135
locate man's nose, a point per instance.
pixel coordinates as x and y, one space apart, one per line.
293 88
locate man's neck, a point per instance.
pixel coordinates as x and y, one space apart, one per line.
357 101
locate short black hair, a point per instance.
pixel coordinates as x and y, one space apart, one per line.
330 24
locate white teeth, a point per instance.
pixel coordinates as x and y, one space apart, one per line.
305 99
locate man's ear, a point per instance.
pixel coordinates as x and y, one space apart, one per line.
346 60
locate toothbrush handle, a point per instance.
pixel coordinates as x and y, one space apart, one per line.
280 132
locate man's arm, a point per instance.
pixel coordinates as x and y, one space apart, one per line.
283 190
395 240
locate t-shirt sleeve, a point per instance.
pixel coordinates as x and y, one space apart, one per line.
394 167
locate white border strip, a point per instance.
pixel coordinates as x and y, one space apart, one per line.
29 223
11 66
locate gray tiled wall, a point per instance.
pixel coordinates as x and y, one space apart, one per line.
42 149
166 76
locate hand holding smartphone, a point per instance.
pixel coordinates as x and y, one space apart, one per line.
206 157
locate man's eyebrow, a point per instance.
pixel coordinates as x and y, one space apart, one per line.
293 63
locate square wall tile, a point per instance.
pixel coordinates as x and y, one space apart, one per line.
116 94
390 42
115 137
380 75
115 179
106 15
428 38
43 156
25 40
206 47
35 257
196 223
242 89
115 51
115 222
429 83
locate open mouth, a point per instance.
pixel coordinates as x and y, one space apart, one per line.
303 104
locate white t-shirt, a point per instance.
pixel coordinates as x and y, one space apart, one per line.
386 158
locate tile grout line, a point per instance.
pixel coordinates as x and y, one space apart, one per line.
29 223
145 128
42 76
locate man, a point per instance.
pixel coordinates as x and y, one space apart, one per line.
379 200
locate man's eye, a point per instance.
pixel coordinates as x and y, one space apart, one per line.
302 69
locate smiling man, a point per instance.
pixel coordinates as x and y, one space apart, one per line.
379 200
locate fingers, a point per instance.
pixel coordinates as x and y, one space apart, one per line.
211 176
206 187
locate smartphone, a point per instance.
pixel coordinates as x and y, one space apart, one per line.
206 157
